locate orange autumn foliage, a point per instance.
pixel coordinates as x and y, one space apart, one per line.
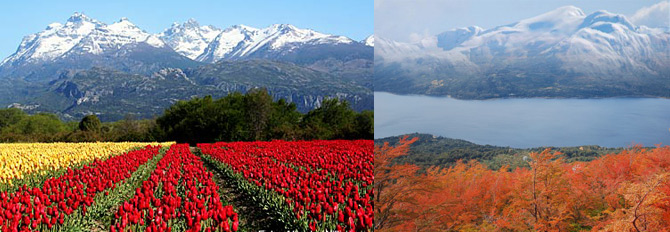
394 185
629 191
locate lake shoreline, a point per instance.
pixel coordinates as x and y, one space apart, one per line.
506 98
436 136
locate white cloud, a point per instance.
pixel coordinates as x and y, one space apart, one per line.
655 16
415 37
411 20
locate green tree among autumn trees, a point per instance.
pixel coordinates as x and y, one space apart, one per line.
629 191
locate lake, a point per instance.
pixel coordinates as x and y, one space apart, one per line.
527 122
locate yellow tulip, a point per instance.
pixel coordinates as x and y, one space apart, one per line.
19 159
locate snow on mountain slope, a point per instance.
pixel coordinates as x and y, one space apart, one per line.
526 37
54 41
598 43
369 41
240 41
81 35
114 36
189 38
280 35
389 49
225 44
452 38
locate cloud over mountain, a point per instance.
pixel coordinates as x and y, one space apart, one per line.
563 52
655 16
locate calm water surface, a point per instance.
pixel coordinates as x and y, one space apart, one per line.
522 123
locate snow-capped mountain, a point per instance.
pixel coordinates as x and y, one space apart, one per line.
54 41
113 37
565 33
83 43
565 44
369 41
84 36
241 41
189 38
84 66
389 49
79 35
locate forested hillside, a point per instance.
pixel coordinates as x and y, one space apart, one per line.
430 150
625 191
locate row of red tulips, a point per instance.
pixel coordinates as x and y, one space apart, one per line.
178 190
346 159
43 208
322 182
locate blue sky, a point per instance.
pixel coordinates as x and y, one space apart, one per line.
403 20
351 18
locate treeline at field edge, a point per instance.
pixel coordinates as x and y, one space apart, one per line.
237 117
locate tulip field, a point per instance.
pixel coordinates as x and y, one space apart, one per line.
199 202
305 185
316 185
21 159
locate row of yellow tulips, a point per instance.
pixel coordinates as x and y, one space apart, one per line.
20 159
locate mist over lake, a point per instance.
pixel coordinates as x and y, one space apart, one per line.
527 122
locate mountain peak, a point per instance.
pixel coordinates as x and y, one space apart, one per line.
123 23
242 27
284 27
241 41
564 19
54 40
606 17
565 42
84 35
568 10
562 13
189 38
281 25
453 38
369 41
54 25
79 17
192 22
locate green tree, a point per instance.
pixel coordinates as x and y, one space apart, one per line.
11 116
364 127
180 121
284 121
90 123
36 128
131 129
258 108
334 119
255 116
231 121
203 120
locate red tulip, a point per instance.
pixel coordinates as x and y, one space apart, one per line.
316 176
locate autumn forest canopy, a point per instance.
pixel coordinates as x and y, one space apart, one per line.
624 191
